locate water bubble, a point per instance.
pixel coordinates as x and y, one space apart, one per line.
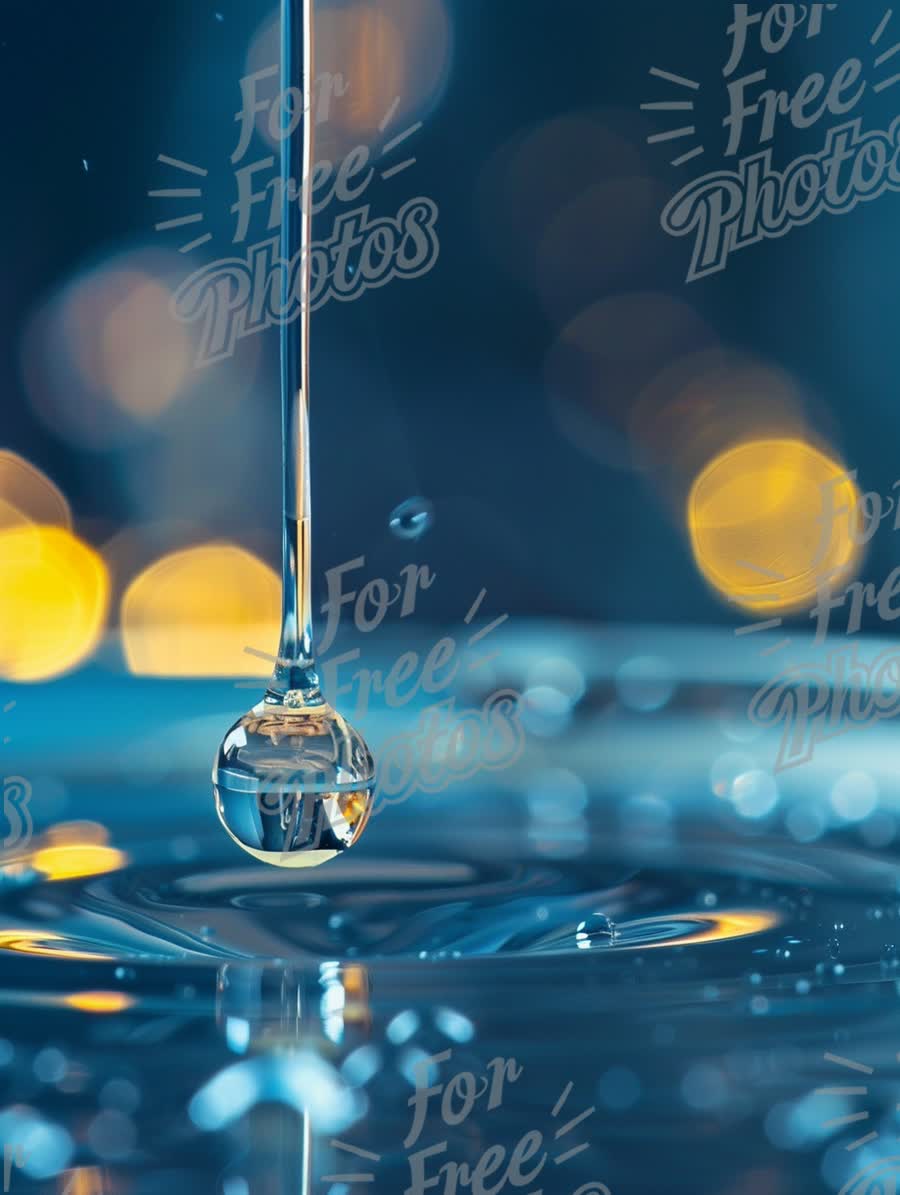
645 684
417 1067
805 823
454 1025
404 1026
597 930
125 973
854 796
50 1065
559 673
726 769
755 794
412 518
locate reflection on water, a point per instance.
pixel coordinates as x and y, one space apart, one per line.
641 916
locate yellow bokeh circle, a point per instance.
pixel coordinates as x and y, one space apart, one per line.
54 596
770 519
196 612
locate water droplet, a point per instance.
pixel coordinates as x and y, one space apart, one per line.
645 684
596 931
125 973
834 948
412 518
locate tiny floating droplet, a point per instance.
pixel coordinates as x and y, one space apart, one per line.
412 518
596 931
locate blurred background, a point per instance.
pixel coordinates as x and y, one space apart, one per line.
551 388
562 429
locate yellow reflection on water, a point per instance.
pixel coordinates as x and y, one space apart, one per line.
71 851
54 595
193 613
768 519
100 1002
77 861
710 927
44 943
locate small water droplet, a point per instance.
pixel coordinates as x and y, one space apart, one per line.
125 973
834 948
412 518
595 931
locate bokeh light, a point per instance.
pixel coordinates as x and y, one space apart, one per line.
28 496
105 354
761 527
372 60
75 850
195 612
530 181
100 1002
54 595
607 355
